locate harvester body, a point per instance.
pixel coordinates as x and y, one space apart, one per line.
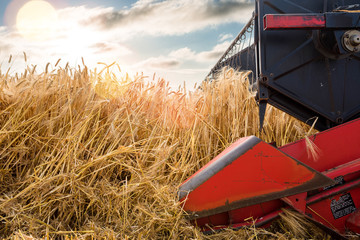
305 61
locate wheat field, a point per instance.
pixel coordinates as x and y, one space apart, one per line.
97 154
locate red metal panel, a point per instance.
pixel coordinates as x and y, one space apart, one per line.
344 169
221 155
338 156
333 211
254 213
337 146
353 222
259 174
297 201
286 21
220 219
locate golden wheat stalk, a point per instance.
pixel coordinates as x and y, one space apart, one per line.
99 154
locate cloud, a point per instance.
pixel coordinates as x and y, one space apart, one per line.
184 53
159 63
202 57
99 33
110 47
67 40
5 47
184 61
224 37
215 53
172 17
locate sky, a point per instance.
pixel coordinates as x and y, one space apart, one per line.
178 40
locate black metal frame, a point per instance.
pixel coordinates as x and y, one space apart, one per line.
305 72
297 75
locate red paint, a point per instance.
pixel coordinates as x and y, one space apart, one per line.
353 222
338 156
344 169
261 170
337 146
297 201
288 21
255 213
321 211
227 150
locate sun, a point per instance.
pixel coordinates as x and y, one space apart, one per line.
37 20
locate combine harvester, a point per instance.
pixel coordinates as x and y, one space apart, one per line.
305 58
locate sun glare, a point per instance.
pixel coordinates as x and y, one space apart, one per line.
37 20
59 34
